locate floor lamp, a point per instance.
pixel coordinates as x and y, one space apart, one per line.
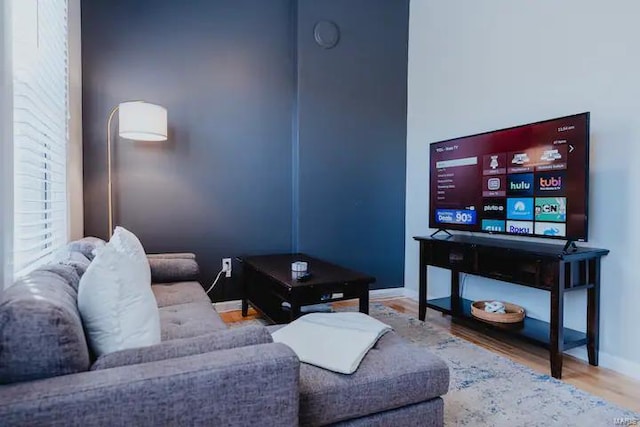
138 121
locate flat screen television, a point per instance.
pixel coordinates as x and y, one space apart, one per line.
530 180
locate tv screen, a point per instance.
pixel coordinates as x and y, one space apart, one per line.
527 180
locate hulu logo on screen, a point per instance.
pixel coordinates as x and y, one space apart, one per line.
551 209
520 184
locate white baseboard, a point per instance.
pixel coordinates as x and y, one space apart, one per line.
414 295
411 293
618 364
609 361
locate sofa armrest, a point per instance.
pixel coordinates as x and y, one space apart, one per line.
173 255
256 385
219 340
167 270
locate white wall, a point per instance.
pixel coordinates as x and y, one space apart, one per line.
482 65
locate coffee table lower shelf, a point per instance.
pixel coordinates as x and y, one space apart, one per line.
282 314
532 330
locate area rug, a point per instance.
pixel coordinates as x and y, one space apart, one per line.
490 390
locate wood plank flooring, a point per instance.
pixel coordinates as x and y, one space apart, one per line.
605 383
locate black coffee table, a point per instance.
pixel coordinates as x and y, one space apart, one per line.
268 284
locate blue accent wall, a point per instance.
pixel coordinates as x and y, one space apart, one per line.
275 144
352 135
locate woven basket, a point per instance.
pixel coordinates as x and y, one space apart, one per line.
514 313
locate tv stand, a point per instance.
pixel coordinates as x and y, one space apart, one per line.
441 230
569 247
537 265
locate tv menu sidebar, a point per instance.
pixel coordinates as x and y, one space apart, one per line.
457 188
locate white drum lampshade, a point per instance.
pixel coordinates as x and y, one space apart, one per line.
142 121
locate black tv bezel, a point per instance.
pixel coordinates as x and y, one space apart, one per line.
455 227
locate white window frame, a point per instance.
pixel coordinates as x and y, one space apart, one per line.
6 148
75 190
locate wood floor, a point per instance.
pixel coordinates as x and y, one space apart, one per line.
602 382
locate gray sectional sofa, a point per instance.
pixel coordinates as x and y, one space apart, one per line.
202 373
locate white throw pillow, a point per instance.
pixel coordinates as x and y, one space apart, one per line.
126 242
116 303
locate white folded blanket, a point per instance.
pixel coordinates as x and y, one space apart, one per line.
334 341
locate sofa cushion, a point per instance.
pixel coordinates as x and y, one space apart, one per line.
172 255
75 259
167 270
41 333
189 320
178 293
219 340
393 374
87 246
117 305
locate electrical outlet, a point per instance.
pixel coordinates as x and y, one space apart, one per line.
226 266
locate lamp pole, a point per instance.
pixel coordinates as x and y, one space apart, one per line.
109 184
139 121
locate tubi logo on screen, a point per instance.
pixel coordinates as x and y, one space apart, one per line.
520 184
550 183
520 208
520 227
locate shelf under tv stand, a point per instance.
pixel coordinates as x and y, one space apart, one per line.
538 265
532 330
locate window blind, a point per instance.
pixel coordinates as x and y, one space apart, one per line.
40 102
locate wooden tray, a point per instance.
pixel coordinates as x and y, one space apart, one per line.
514 313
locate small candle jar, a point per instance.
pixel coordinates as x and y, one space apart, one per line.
298 269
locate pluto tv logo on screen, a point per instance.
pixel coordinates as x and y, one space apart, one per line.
494 208
527 180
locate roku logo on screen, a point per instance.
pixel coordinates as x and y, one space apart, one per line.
520 227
